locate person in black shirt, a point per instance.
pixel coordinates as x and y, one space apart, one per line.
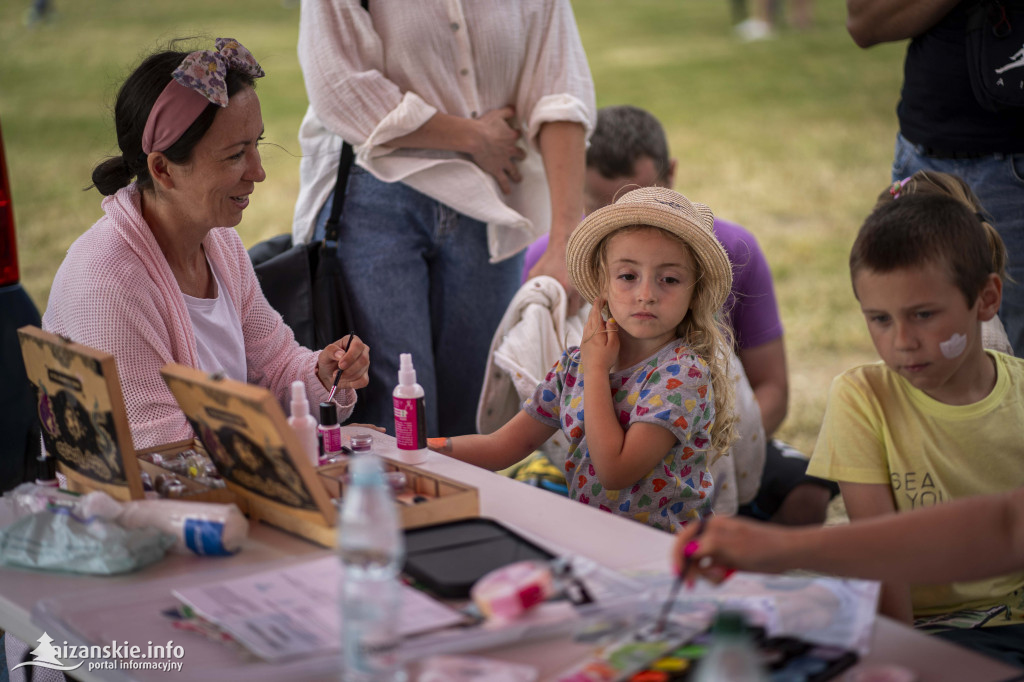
944 128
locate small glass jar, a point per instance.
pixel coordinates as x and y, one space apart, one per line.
361 442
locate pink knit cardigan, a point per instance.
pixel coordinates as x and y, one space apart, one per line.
115 292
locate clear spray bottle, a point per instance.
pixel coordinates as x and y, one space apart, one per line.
303 422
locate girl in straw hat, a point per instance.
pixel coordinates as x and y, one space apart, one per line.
652 376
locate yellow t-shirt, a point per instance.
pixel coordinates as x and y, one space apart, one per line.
880 429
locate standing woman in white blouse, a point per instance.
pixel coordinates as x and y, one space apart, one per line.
469 121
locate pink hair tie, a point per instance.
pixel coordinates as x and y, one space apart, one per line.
198 81
897 187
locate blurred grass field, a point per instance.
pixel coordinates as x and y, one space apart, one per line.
791 137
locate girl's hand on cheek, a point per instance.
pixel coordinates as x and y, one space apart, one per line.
600 346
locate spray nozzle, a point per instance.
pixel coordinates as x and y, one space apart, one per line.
300 405
406 373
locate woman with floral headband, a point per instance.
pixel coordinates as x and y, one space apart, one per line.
163 277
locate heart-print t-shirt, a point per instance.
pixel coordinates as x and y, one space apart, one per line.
672 389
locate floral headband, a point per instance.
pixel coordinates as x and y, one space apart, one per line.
198 81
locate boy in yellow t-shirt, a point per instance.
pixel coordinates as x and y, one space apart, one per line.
941 417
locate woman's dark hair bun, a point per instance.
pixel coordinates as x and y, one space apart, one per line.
111 175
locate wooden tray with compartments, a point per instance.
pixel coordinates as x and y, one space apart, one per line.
425 498
84 424
245 432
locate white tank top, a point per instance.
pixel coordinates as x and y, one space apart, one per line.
218 328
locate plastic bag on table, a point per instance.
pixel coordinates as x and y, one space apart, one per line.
57 539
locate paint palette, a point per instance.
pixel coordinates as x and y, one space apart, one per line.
623 658
786 659
674 657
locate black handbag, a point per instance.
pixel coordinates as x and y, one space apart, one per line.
303 282
995 53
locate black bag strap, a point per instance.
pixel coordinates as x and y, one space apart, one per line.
344 166
338 203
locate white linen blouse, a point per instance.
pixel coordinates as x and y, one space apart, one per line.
372 77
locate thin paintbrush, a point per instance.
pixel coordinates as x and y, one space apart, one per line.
337 377
659 625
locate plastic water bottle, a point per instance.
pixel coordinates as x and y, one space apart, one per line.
732 655
371 548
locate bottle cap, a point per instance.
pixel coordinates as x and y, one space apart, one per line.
729 622
328 414
366 470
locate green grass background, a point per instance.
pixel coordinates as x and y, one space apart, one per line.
791 137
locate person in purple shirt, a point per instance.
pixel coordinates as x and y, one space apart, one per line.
629 148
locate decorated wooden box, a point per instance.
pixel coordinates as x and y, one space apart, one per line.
84 425
246 433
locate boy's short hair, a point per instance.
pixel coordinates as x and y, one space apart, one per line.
947 184
923 229
623 135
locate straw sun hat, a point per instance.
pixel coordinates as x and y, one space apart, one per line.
657 207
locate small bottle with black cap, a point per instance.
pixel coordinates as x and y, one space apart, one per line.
329 433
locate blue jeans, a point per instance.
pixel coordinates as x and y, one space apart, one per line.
998 180
419 281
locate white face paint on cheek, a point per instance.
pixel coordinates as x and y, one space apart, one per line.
954 345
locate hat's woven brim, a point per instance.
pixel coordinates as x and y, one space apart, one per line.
691 222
